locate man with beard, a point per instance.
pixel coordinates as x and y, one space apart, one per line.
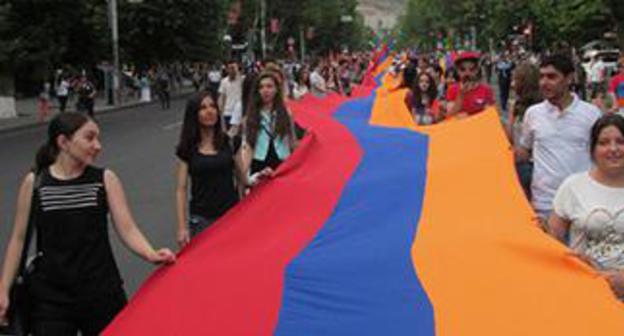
469 96
555 133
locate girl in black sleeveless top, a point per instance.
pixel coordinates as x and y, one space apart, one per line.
210 161
76 285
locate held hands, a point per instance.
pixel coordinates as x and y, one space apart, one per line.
587 260
615 278
162 256
261 176
616 281
183 237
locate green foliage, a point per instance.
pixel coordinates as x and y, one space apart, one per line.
167 30
7 44
576 21
323 17
38 36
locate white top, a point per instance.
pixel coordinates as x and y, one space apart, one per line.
318 86
233 92
596 71
596 214
560 145
237 114
299 91
62 89
214 76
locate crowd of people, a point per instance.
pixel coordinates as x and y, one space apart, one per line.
237 130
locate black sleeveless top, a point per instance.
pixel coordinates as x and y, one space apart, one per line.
75 260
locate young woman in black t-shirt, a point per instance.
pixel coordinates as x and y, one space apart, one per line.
208 159
76 285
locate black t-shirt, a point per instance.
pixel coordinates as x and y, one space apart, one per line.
75 258
212 182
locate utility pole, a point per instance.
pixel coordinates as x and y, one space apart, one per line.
112 8
302 43
263 10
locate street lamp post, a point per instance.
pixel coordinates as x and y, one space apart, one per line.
263 27
113 22
112 7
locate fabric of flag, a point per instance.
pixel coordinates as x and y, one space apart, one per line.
375 226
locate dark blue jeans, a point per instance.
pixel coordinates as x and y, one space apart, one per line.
525 174
199 223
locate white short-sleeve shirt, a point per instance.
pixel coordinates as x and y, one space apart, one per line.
596 214
559 143
233 91
318 86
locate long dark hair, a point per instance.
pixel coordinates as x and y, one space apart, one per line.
63 124
526 86
299 76
602 123
190 135
418 94
283 122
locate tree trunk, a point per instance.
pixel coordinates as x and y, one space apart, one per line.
619 30
617 13
7 95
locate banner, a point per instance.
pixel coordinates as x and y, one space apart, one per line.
377 227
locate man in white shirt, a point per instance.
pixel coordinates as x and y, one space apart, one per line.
318 86
596 75
214 79
230 98
555 133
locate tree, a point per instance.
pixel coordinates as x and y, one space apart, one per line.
46 34
616 11
323 17
571 20
7 99
172 30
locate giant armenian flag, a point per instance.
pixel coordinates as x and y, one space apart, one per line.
377 227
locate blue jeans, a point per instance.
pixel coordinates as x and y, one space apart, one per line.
198 223
525 174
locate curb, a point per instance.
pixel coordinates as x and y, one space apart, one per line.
106 110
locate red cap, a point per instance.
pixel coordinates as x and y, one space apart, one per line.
468 56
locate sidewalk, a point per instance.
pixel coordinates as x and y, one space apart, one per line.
27 109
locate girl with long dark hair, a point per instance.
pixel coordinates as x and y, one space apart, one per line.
302 83
270 135
525 86
424 104
76 285
209 161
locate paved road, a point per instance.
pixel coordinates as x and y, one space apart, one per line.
138 145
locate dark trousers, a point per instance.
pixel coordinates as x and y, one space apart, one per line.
504 88
89 317
165 99
85 105
62 103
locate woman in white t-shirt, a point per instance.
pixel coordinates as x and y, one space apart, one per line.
302 83
588 208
